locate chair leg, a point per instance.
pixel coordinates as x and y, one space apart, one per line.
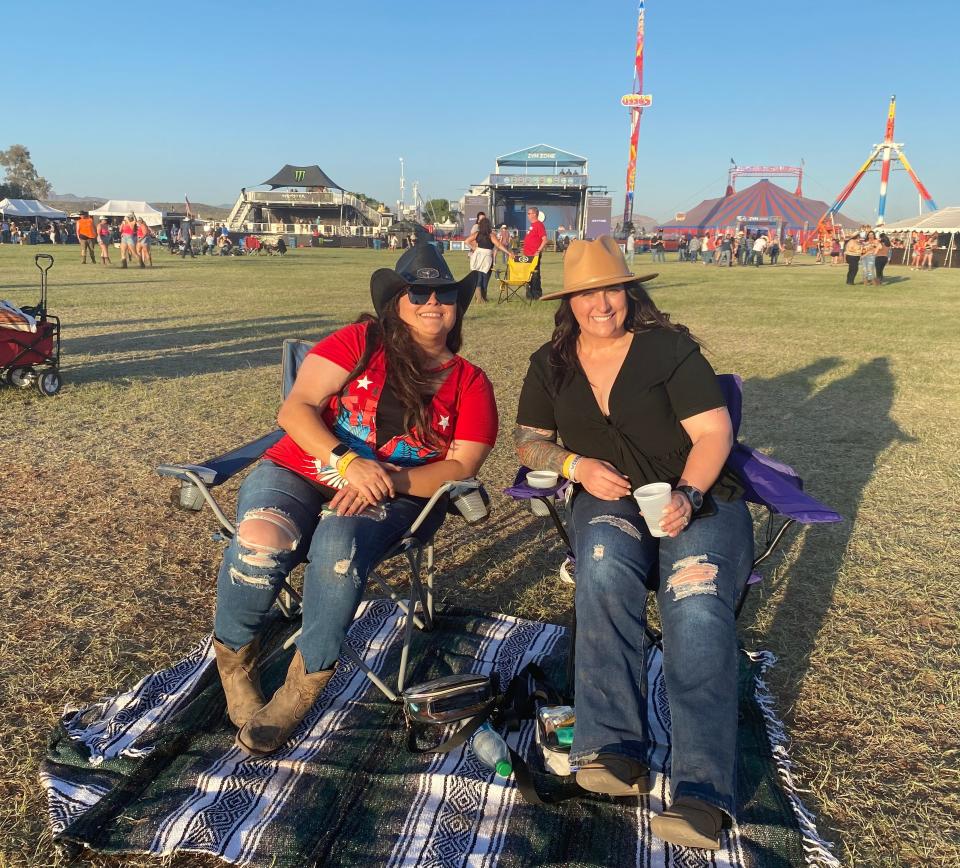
431 570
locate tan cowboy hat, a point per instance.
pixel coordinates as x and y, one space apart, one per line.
594 265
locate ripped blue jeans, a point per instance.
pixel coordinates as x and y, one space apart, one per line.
701 573
339 552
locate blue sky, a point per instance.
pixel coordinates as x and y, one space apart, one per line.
205 98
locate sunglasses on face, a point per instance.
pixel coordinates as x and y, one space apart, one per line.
421 294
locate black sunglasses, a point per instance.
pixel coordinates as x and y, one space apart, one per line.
421 294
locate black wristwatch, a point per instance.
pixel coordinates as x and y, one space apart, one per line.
694 495
338 452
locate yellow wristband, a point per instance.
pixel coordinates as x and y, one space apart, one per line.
344 462
567 462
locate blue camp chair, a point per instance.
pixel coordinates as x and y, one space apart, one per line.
465 498
768 483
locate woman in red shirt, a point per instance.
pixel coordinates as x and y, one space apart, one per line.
383 412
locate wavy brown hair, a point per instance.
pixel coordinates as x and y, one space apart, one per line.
407 366
642 315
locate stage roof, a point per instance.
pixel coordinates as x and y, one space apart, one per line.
541 156
763 199
302 176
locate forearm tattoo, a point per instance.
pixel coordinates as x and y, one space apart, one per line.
538 449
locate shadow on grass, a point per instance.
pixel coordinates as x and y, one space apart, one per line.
187 350
847 423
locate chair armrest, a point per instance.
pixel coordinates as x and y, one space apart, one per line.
452 489
218 470
520 490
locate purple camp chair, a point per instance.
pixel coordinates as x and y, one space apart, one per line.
768 483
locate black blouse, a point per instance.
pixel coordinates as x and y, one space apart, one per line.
664 379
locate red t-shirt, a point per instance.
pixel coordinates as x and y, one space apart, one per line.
463 408
531 242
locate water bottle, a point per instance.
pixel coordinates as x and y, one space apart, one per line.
490 748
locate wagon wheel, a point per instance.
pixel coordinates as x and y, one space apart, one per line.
48 383
19 377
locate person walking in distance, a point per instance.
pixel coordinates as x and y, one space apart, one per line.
631 248
852 252
103 238
482 244
144 241
128 240
186 239
534 243
503 239
87 236
758 247
883 254
789 248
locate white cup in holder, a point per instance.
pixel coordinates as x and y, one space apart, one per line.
541 479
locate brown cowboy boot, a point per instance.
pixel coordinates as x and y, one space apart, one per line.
270 727
615 775
689 822
240 679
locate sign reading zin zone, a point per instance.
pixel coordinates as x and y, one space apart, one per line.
541 155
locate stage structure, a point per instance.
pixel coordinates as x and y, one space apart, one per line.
556 182
636 102
736 171
880 155
301 198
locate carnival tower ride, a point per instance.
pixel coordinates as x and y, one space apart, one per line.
881 154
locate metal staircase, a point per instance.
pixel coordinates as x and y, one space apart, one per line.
238 216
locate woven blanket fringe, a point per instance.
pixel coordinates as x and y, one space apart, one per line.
818 851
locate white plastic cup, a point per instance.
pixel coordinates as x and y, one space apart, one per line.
541 479
653 499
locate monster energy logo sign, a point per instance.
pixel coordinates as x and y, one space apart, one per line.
300 174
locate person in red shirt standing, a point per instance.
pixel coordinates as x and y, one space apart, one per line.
533 244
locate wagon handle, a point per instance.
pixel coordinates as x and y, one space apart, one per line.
48 259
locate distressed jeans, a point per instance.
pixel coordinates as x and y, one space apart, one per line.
701 573
339 552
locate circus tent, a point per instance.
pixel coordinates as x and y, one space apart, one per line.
763 205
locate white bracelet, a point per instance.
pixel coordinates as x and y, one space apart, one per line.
573 468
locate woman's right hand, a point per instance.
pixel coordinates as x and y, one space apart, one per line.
602 479
370 478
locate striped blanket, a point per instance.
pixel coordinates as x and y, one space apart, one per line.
154 770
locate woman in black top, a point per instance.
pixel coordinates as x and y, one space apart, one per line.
482 243
633 402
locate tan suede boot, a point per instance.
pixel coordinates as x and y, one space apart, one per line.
270 727
689 822
240 679
615 775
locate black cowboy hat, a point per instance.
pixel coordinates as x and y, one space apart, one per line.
420 265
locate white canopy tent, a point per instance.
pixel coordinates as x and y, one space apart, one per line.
121 207
30 208
943 220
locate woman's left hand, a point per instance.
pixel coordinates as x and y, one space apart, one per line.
677 515
349 501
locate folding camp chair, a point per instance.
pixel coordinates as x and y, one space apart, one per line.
768 483
518 274
466 498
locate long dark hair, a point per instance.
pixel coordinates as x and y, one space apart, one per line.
484 229
642 315
407 366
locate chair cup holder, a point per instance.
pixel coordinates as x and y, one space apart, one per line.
471 505
187 496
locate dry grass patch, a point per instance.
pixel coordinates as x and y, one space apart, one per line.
102 579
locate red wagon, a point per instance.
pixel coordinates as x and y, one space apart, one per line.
33 357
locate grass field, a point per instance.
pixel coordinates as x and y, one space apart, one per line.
102 580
